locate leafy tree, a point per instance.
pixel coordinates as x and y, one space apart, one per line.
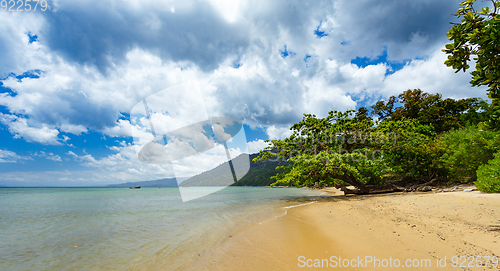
363 114
478 36
414 156
431 109
406 148
337 150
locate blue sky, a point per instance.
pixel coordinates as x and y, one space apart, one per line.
71 75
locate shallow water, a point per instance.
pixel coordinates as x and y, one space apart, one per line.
125 229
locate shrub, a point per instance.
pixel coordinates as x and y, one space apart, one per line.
466 150
488 176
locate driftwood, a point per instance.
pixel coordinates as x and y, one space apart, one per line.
421 187
386 188
370 189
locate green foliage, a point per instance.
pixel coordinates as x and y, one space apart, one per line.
329 168
337 149
466 150
488 176
431 109
411 143
415 152
339 130
260 173
478 35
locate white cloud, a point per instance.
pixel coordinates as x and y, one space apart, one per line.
73 129
107 59
11 157
123 128
126 160
274 132
42 134
266 90
49 156
67 178
201 162
229 9
256 146
432 76
15 49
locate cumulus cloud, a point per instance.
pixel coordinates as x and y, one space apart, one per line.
101 34
15 48
432 76
49 156
7 156
126 161
256 146
42 133
262 62
100 59
274 132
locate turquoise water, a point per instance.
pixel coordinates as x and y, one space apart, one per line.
125 229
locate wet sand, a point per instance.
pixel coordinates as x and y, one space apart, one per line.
414 228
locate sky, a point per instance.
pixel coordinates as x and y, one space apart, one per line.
71 76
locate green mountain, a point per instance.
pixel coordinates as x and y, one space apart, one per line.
259 174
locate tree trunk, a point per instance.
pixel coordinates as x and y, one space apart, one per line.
360 187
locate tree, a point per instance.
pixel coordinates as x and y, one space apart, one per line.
418 139
338 150
414 156
431 109
478 36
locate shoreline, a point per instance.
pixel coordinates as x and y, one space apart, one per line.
423 226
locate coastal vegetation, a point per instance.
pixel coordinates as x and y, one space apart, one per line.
489 176
476 37
406 142
411 140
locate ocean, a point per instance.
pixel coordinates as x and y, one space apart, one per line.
127 229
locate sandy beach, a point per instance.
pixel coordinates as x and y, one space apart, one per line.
426 231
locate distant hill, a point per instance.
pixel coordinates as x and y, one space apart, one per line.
167 182
259 174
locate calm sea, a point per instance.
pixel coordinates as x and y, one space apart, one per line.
126 229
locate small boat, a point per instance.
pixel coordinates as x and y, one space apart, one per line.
135 187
